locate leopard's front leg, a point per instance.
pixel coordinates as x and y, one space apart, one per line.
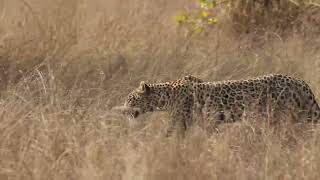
181 119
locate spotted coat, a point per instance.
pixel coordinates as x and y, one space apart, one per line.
224 101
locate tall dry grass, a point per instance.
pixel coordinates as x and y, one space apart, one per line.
64 64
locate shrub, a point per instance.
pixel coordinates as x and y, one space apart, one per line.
250 15
200 20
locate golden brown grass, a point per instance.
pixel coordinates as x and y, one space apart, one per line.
65 64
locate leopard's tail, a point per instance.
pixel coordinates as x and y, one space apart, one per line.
315 111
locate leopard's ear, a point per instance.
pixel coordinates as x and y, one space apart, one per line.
144 88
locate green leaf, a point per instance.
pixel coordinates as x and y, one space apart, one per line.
198 30
203 5
211 4
204 14
212 20
181 18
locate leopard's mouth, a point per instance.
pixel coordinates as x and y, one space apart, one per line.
128 111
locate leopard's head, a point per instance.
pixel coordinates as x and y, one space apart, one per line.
141 100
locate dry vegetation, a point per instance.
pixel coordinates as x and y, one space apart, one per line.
65 64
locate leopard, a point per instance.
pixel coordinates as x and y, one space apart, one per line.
224 101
